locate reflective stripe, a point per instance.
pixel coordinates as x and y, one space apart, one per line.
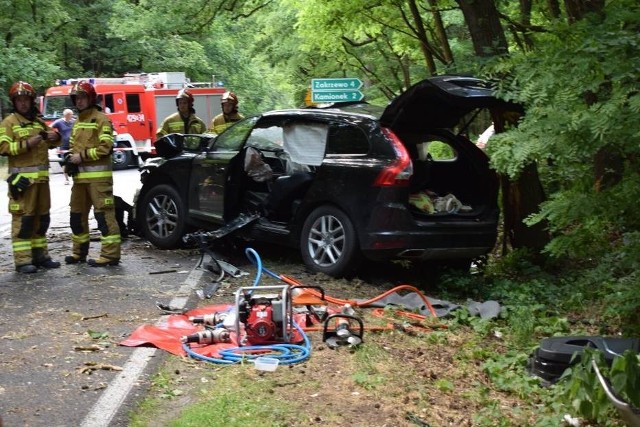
39 243
35 175
94 168
89 175
92 153
80 238
85 125
28 169
21 246
14 148
112 239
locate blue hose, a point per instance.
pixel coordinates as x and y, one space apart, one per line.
287 354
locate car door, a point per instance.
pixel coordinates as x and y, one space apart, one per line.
209 172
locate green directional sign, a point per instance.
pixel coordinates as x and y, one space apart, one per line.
336 96
335 84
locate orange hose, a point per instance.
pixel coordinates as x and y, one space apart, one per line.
353 303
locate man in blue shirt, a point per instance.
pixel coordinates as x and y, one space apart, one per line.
64 125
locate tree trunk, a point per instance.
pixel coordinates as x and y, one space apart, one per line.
554 8
484 26
441 33
608 164
425 46
577 9
522 197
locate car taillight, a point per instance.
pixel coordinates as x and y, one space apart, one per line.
399 172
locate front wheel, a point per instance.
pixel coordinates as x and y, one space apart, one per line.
121 159
162 217
328 242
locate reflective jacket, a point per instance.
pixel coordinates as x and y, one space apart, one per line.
32 162
222 121
92 138
176 124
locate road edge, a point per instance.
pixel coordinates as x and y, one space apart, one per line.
105 410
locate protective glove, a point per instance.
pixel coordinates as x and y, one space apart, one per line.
17 185
70 169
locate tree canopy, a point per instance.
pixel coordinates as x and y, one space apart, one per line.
573 65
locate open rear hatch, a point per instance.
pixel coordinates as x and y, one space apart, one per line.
441 102
424 117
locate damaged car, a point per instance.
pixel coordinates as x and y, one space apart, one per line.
341 183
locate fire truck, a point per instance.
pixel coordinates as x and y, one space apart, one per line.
136 104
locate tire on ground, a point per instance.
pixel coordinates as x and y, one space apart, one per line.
162 217
328 242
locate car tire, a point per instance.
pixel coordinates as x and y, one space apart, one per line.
162 217
328 242
121 159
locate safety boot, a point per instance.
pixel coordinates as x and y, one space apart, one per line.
47 263
103 262
73 259
26 269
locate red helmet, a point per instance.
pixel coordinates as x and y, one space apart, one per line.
185 94
21 88
229 97
83 86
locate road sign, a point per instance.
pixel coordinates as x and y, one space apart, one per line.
335 84
336 96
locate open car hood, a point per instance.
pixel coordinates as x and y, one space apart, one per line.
440 102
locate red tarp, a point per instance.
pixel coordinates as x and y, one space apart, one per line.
167 335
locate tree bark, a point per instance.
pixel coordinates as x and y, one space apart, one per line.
441 33
425 46
577 9
484 26
521 197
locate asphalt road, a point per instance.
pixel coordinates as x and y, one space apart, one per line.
60 362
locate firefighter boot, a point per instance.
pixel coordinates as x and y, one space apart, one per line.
73 259
80 251
26 269
103 262
42 259
48 263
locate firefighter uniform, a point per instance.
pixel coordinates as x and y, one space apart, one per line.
92 139
30 208
175 123
229 115
223 121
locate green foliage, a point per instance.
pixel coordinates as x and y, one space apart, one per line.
580 91
585 393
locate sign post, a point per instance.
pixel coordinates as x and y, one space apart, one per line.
336 90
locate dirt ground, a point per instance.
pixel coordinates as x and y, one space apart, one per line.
424 376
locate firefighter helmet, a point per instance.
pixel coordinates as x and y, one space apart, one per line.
229 97
83 86
185 94
22 88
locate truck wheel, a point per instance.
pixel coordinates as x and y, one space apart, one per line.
121 159
328 242
162 217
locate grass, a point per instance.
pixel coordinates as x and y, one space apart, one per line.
465 372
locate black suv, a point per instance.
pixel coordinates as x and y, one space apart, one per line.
338 183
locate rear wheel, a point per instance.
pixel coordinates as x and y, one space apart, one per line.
121 159
162 217
328 242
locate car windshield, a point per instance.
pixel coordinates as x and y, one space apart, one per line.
55 105
234 136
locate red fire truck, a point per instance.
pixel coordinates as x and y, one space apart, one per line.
136 104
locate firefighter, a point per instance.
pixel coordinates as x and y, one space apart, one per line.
229 115
26 139
89 163
184 120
